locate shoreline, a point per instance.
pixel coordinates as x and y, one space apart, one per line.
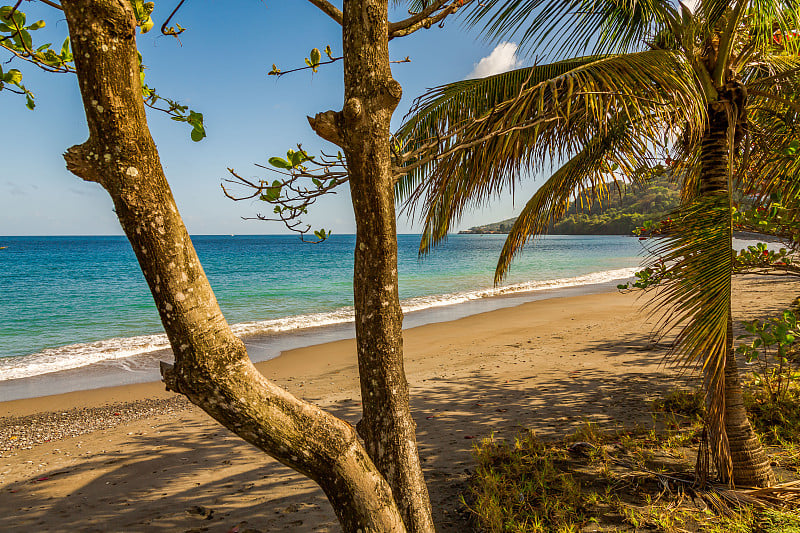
284 364
549 366
143 368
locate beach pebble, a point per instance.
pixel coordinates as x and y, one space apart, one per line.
24 432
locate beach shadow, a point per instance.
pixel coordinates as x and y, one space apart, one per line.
212 480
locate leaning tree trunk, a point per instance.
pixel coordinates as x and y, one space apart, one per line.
748 464
363 130
211 365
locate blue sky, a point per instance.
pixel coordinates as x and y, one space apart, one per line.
220 70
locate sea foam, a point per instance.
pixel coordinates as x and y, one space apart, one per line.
83 354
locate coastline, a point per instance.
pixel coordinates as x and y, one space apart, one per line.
549 365
143 368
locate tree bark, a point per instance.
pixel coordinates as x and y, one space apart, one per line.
749 464
211 365
371 96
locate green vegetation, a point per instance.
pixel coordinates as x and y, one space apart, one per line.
596 481
618 214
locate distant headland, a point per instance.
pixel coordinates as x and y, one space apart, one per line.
618 214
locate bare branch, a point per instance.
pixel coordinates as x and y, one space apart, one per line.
283 72
52 4
280 73
425 18
329 9
416 17
165 30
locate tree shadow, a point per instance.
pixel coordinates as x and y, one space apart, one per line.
212 480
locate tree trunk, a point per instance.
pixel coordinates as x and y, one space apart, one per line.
211 365
751 466
748 464
371 95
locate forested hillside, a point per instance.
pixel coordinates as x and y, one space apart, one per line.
618 214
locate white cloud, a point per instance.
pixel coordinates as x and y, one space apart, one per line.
691 4
503 58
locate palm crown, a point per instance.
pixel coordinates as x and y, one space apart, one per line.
713 88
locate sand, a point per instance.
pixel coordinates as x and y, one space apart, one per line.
136 458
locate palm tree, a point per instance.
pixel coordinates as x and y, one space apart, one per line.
658 79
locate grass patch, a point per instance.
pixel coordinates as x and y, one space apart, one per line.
631 481
687 403
775 418
524 486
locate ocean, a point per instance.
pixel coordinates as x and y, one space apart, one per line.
74 307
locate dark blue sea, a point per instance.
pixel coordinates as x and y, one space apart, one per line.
69 302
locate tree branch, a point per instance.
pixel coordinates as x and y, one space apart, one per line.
329 9
418 17
423 19
52 4
328 125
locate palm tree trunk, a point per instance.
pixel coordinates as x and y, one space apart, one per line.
738 454
751 466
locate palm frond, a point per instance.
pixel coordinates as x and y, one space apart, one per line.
773 22
574 26
779 73
450 106
712 11
698 251
585 178
653 91
771 165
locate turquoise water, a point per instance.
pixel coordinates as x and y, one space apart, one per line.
72 301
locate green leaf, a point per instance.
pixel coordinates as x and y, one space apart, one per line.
30 104
274 192
279 162
197 134
315 56
36 25
18 16
27 39
298 158
13 76
65 49
147 25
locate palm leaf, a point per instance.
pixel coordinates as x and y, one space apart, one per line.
699 253
449 106
652 91
767 19
574 26
586 177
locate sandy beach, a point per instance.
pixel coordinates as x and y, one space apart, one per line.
136 458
